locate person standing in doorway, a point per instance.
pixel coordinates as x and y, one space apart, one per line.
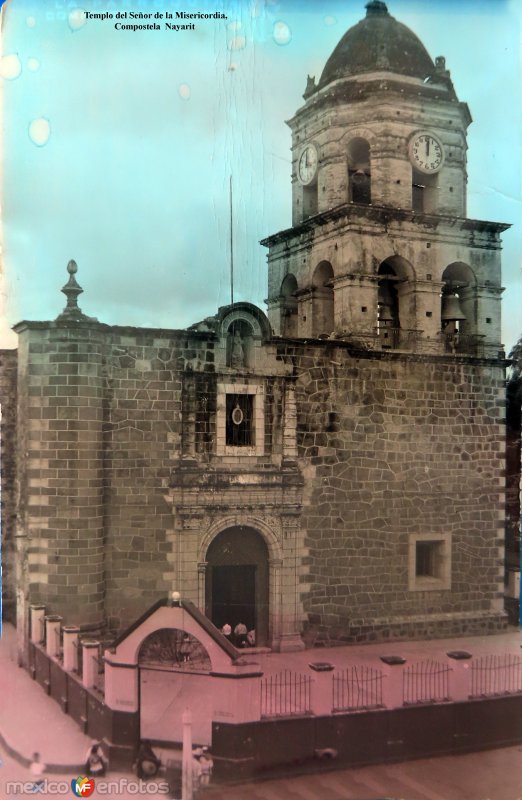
240 633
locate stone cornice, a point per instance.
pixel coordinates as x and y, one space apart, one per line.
388 218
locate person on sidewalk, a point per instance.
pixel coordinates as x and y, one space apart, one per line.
37 768
207 765
197 770
147 762
96 763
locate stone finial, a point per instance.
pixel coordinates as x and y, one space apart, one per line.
71 290
376 8
310 86
440 67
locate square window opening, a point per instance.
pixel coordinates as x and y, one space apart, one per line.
240 420
428 558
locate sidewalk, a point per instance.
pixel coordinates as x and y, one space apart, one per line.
30 721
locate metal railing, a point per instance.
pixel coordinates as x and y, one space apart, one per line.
495 675
286 694
357 688
425 682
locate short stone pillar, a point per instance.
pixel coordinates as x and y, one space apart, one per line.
37 623
392 684
90 649
70 647
53 623
459 678
121 685
321 689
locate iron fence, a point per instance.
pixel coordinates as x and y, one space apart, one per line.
425 682
286 694
495 675
357 688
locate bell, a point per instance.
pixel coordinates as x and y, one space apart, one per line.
451 310
385 314
359 176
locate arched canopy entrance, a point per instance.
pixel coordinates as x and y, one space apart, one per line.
236 588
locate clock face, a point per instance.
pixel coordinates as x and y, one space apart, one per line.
426 152
307 167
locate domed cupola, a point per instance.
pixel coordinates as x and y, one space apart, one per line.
378 43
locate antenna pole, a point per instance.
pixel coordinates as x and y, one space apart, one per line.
231 249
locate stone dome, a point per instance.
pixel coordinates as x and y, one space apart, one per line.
378 43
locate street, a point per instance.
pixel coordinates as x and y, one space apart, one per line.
490 775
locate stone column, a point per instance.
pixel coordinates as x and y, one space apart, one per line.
52 635
121 685
202 574
90 662
289 423
356 304
459 678
392 684
70 648
289 638
304 312
275 610
429 309
37 623
321 690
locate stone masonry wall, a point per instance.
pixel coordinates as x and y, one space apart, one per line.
60 470
8 375
142 435
392 446
389 446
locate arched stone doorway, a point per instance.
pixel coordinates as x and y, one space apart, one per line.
237 581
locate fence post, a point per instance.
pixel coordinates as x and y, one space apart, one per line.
90 662
37 623
459 679
70 647
187 758
321 690
52 634
392 683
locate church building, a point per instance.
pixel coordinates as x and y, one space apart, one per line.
331 472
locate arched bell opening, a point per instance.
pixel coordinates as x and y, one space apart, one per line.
288 306
237 581
239 344
395 300
359 172
458 300
323 321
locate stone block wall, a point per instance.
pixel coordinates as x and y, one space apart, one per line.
8 394
60 470
392 447
380 448
143 435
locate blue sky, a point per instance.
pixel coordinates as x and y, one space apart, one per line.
120 145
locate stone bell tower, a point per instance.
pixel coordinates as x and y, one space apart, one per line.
380 248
